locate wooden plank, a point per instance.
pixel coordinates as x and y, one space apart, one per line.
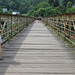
37 51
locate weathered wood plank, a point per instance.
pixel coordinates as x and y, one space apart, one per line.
37 51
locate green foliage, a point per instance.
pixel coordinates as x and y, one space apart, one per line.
10 11
38 7
69 5
48 11
23 6
43 5
60 9
41 12
51 8
66 1
70 10
0 10
56 3
51 2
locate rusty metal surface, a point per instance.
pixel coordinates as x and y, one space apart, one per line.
13 24
64 24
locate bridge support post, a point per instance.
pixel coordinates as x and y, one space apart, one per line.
0 46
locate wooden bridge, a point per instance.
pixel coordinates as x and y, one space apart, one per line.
30 48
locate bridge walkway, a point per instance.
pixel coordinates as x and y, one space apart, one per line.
37 51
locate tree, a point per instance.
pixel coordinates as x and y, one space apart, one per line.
13 5
0 10
60 9
69 5
41 12
50 11
56 3
66 1
36 14
43 5
22 8
10 11
51 2
70 10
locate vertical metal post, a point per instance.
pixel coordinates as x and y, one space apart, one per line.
8 27
0 40
0 46
18 22
11 26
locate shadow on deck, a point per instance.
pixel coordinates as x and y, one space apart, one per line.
37 51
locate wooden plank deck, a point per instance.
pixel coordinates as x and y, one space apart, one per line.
37 51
